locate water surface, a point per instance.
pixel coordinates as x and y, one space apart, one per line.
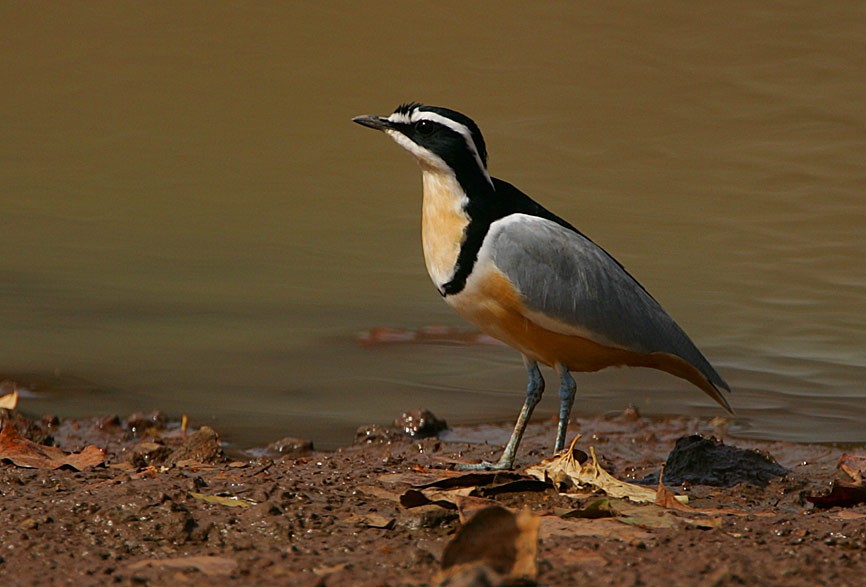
192 223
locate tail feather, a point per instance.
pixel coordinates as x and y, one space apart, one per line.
681 368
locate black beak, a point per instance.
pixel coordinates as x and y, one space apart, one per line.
373 121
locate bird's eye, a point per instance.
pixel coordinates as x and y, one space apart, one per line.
425 127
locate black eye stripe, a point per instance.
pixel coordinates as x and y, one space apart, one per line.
425 127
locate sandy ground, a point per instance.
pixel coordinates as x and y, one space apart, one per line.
167 508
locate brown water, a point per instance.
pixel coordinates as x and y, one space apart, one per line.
192 222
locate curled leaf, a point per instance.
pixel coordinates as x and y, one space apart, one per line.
26 453
9 401
495 537
564 469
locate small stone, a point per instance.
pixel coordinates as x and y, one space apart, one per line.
145 454
420 423
139 423
290 447
202 446
375 434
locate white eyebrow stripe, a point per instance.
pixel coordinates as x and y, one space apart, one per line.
399 118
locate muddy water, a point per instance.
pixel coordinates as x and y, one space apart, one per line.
191 221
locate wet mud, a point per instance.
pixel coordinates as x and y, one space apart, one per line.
172 506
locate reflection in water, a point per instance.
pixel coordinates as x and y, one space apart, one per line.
191 221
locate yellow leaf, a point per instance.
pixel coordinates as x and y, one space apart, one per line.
9 401
563 468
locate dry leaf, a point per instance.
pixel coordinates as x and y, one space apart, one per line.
211 566
9 401
666 498
563 468
852 465
228 501
372 520
600 508
26 453
379 492
446 498
194 465
447 490
845 493
848 515
470 505
603 528
647 516
326 570
841 495
497 538
475 479
415 478
704 523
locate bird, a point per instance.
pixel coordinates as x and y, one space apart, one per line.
529 278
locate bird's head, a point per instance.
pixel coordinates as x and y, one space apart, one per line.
440 139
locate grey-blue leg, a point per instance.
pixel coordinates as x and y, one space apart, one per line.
534 389
567 389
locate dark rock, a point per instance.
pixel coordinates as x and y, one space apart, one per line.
375 434
290 446
202 446
420 423
706 461
149 453
139 423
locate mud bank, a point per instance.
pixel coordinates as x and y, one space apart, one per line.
163 506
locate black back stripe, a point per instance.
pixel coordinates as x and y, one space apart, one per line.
485 207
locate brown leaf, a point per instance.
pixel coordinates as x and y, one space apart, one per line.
9 400
846 515
665 497
372 520
647 516
498 538
600 508
841 495
852 465
446 498
326 570
705 523
476 479
470 505
564 469
603 527
211 566
26 453
378 492
415 478
445 491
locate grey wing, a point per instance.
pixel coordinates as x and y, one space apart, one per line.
565 276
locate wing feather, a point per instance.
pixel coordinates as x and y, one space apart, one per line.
573 284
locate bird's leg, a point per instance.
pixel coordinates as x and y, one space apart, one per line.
567 389
534 389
